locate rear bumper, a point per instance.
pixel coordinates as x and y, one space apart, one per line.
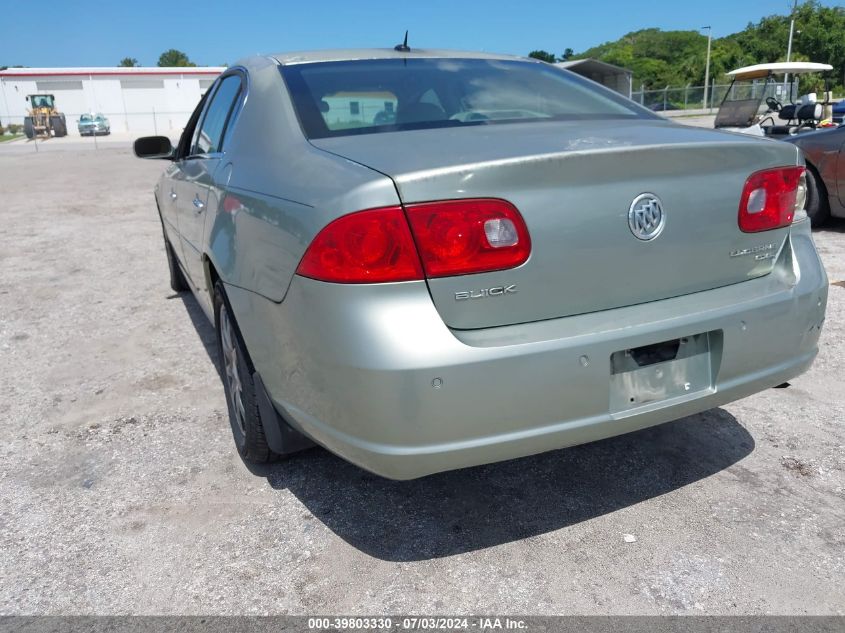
373 374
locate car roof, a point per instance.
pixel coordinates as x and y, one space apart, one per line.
351 54
759 71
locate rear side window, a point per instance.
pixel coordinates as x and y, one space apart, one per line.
209 136
384 95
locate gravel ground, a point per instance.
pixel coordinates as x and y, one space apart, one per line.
121 491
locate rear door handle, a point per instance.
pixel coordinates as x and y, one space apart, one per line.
199 204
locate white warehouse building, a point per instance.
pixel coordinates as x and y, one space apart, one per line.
145 100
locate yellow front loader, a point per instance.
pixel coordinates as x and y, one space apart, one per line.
43 120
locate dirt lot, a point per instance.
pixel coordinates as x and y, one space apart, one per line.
121 491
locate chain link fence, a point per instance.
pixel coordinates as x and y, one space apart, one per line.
693 97
168 123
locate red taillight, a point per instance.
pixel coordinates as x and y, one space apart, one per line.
372 246
768 199
231 204
451 237
459 237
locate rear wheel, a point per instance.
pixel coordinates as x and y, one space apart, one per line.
817 205
28 128
241 399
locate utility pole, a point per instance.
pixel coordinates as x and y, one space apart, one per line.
707 65
789 45
788 56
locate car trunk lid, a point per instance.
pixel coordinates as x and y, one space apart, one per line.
574 185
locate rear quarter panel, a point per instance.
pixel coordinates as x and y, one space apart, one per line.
280 191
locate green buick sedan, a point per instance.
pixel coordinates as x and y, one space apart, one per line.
424 260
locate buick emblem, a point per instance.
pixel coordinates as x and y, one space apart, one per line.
645 217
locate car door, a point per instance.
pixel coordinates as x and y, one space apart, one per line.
840 164
171 184
198 169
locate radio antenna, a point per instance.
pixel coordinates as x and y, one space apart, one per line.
403 47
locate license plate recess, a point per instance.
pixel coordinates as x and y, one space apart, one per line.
662 371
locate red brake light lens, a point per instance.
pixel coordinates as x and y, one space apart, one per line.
373 246
460 237
768 199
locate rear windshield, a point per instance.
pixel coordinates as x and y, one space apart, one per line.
385 95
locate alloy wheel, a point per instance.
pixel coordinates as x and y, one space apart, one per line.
231 363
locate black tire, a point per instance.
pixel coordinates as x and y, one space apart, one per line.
236 372
28 129
818 208
57 124
178 283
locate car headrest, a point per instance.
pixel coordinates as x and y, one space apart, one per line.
419 113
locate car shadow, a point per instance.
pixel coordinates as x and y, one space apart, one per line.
833 225
204 329
476 508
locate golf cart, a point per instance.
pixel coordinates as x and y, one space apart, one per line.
755 99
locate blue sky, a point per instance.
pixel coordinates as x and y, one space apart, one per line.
211 32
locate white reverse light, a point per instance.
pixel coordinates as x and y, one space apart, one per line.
500 232
801 193
756 201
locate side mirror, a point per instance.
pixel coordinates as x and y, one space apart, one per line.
153 147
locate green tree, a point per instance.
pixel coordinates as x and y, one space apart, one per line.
818 37
543 56
677 58
567 53
657 58
174 57
128 62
